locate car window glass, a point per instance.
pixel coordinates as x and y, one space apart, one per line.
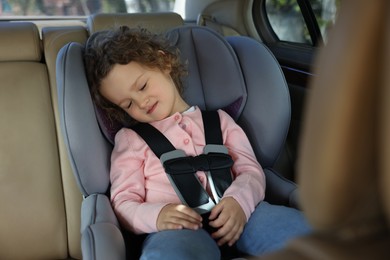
81 7
325 12
287 20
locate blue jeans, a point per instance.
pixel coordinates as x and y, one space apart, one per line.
268 229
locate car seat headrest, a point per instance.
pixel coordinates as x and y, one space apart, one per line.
154 22
20 41
215 79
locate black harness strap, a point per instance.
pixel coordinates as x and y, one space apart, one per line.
184 183
154 138
181 169
213 135
212 127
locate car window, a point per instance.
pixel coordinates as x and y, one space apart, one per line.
301 21
81 7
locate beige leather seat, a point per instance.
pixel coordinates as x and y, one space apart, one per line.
344 167
53 38
229 18
36 210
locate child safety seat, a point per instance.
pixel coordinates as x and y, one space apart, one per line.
181 169
243 75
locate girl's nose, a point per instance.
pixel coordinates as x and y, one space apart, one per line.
144 103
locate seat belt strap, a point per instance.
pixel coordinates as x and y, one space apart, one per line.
160 144
187 186
220 178
181 169
212 127
157 142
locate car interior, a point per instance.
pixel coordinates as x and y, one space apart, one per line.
55 145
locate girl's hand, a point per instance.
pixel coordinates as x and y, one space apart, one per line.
176 216
229 218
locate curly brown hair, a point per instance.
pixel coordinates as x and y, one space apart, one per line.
123 45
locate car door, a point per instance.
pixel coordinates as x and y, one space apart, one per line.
294 30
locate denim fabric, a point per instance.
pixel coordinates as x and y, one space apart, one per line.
269 228
180 244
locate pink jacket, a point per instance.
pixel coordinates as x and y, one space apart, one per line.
140 187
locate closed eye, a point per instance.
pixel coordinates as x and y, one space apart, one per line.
143 87
129 105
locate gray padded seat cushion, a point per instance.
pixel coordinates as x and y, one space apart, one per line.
214 75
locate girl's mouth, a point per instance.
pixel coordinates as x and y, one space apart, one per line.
150 110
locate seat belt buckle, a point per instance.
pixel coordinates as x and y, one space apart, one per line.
202 203
214 148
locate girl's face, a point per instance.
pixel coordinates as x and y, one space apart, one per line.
146 94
